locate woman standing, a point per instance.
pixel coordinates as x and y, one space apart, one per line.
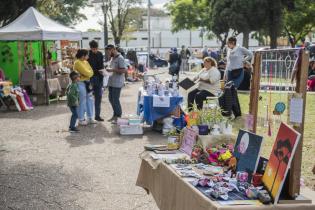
86 104
235 59
208 83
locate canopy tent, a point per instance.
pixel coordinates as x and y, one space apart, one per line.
32 25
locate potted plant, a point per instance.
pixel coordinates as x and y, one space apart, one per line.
203 125
173 138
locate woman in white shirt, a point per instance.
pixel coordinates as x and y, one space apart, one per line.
208 83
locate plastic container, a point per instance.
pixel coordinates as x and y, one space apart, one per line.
203 129
131 130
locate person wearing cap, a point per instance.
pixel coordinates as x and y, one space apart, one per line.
116 81
96 60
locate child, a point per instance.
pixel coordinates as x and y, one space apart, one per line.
73 100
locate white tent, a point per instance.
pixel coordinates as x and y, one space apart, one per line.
32 25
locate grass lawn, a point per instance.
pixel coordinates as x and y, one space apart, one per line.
309 128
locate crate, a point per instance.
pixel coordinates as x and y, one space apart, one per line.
131 129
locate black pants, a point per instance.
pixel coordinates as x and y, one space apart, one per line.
114 95
197 96
97 83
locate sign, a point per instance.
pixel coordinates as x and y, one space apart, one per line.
189 140
161 101
280 160
296 110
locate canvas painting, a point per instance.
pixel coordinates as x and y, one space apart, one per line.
189 139
280 160
247 151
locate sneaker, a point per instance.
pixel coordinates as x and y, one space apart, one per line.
114 121
111 119
99 119
74 130
83 122
91 121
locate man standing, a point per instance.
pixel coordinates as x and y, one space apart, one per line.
116 81
96 60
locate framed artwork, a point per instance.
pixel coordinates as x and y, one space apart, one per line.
280 160
247 151
189 140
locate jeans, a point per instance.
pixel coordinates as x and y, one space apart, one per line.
113 96
74 116
197 96
238 80
98 91
86 103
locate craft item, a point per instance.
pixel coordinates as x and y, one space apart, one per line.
213 170
186 83
215 130
252 193
242 176
203 129
257 179
264 197
279 108
280 160
296 110
172 142
165 151
247 151
155 147
232 163
225 156
189 139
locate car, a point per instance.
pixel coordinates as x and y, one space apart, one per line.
155 61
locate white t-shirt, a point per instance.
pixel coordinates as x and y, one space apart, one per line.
214 76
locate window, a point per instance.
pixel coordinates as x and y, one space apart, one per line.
85 38
97 38
144 38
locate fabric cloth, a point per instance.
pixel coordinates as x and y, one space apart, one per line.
114 99
236 80
229 102
74 116
150 113
171 192
117 80
86 103
73 94
84 69
53 86
213 76
197 96
235 57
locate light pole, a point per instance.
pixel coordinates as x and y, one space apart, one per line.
149 33
104 10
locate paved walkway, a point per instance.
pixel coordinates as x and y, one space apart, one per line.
42 166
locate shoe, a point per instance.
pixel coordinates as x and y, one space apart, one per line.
111 119
74 130
99 119
83 122
114 121
91 121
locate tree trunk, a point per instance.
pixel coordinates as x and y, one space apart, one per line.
117 40
245 39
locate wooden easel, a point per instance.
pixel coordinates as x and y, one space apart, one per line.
301 83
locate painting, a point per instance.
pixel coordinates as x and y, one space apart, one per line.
247 151
280 160
189 140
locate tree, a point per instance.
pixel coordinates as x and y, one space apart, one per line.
63 11
11 9
118 11
299 22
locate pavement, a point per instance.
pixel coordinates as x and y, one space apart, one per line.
43 166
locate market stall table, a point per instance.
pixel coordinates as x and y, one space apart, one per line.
172 192
152 112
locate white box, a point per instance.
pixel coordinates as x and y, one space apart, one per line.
131 130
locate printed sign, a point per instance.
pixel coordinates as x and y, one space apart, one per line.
189 140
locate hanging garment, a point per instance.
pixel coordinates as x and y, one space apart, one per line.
27 99
20 101
13 96
229 102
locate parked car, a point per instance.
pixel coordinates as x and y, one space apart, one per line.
155 61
